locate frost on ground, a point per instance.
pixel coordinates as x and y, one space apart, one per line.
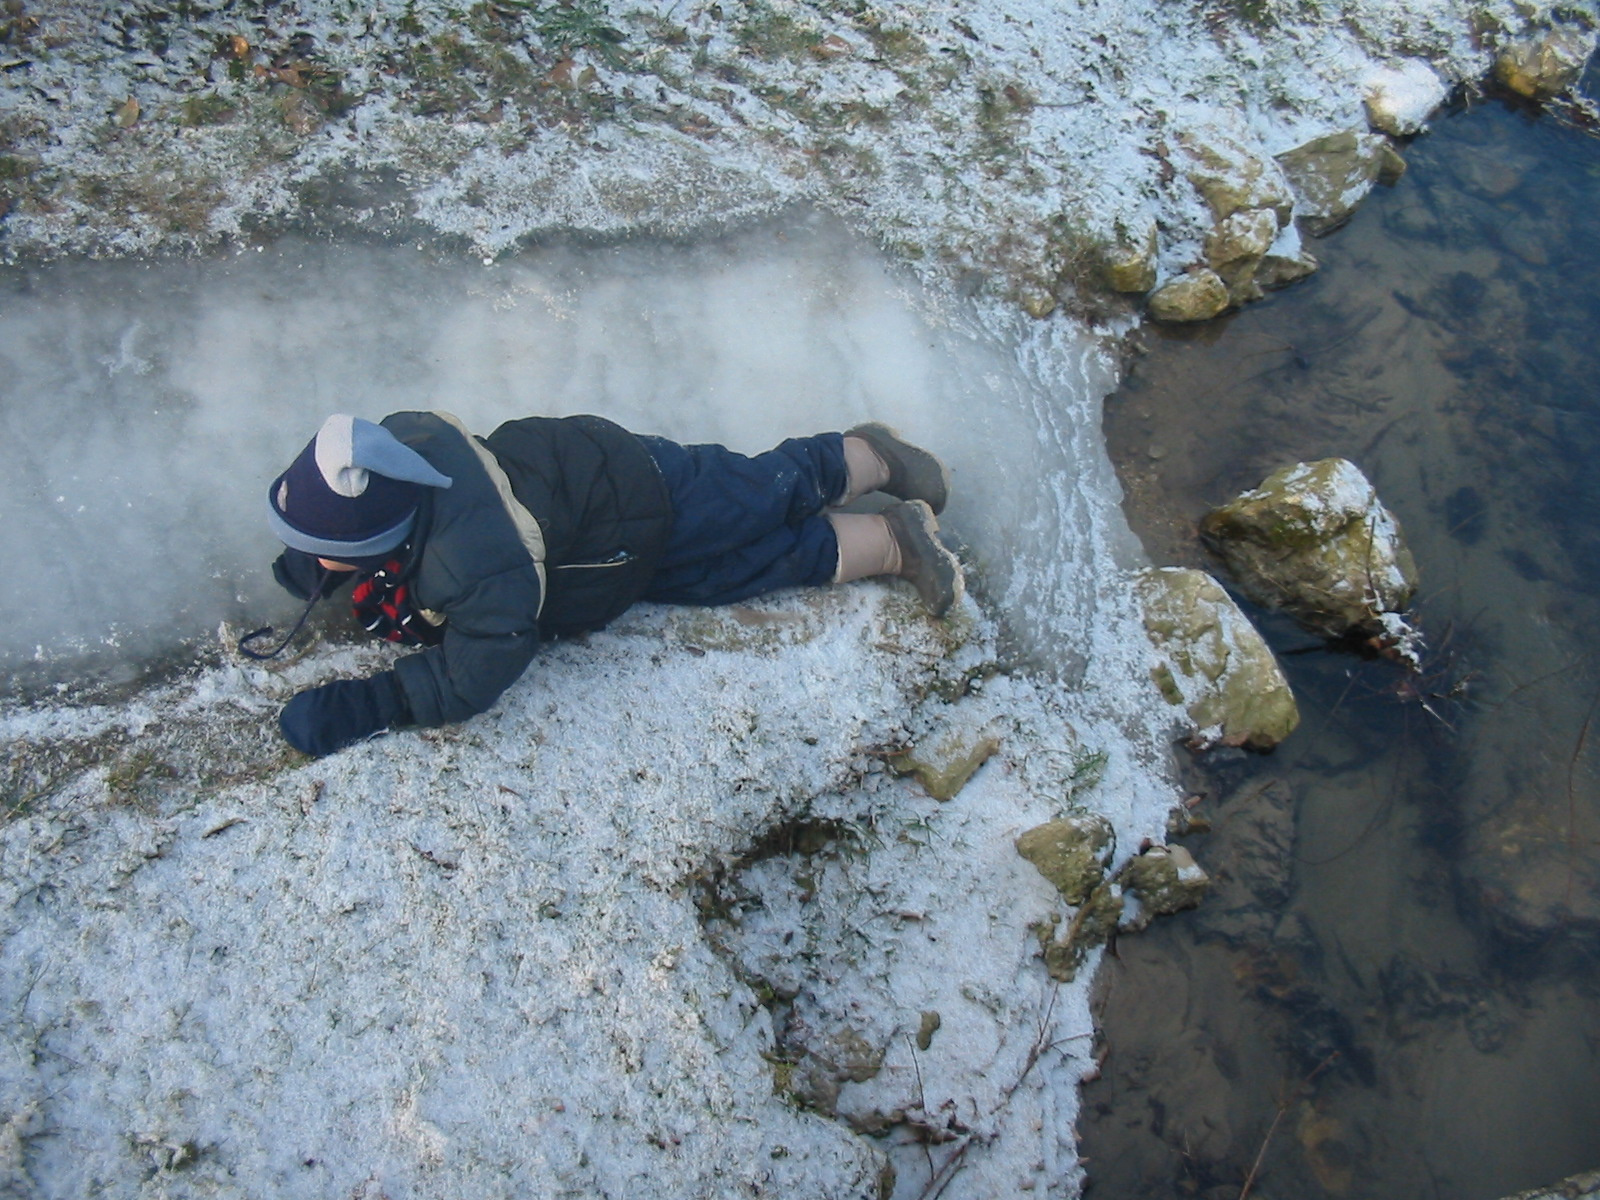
689 747
471 962
640 929
1005 145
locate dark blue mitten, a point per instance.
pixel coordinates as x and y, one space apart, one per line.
323 719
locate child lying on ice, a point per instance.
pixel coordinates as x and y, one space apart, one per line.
475 548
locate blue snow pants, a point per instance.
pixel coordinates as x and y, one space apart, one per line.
743 525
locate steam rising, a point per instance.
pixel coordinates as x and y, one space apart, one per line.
147 405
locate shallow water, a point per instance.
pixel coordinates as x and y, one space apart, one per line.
1410 1008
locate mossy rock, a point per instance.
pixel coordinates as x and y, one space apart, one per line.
1315 541
1163 880
1547 64
1214 663
1071 853
1197 296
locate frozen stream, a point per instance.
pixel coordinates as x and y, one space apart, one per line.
146 404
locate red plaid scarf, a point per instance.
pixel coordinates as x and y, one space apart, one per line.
382 603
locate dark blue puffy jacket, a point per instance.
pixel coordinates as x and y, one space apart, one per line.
552 525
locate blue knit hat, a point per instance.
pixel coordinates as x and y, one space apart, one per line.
352 493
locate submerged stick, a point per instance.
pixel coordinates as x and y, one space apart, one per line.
1283 1107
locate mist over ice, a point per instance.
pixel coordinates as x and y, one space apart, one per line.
146 406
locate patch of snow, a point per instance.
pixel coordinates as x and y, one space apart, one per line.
1400 98
469 959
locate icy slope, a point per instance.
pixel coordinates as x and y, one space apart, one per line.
470 963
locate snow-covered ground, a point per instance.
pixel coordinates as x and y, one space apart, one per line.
644 927
471 963
625 783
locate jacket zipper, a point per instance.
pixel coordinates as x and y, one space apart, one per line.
620 559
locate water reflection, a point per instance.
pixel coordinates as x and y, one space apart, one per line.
1394 991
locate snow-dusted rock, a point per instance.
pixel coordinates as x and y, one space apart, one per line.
1286 260
945 758
1230 175
1280 270
1315 540
1161 881
1236 246
1071 852
1065 945
1332 174
1546 64
1213 664
1400 98
1073 855
1246 234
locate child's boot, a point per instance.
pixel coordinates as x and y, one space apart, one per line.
924 559
895 466
902 541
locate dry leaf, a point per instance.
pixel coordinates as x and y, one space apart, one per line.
832 46
301 114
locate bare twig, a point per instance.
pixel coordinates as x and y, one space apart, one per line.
947 1172
1283 1107
922 1102
1042 1042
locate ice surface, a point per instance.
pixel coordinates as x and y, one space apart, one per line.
147 405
